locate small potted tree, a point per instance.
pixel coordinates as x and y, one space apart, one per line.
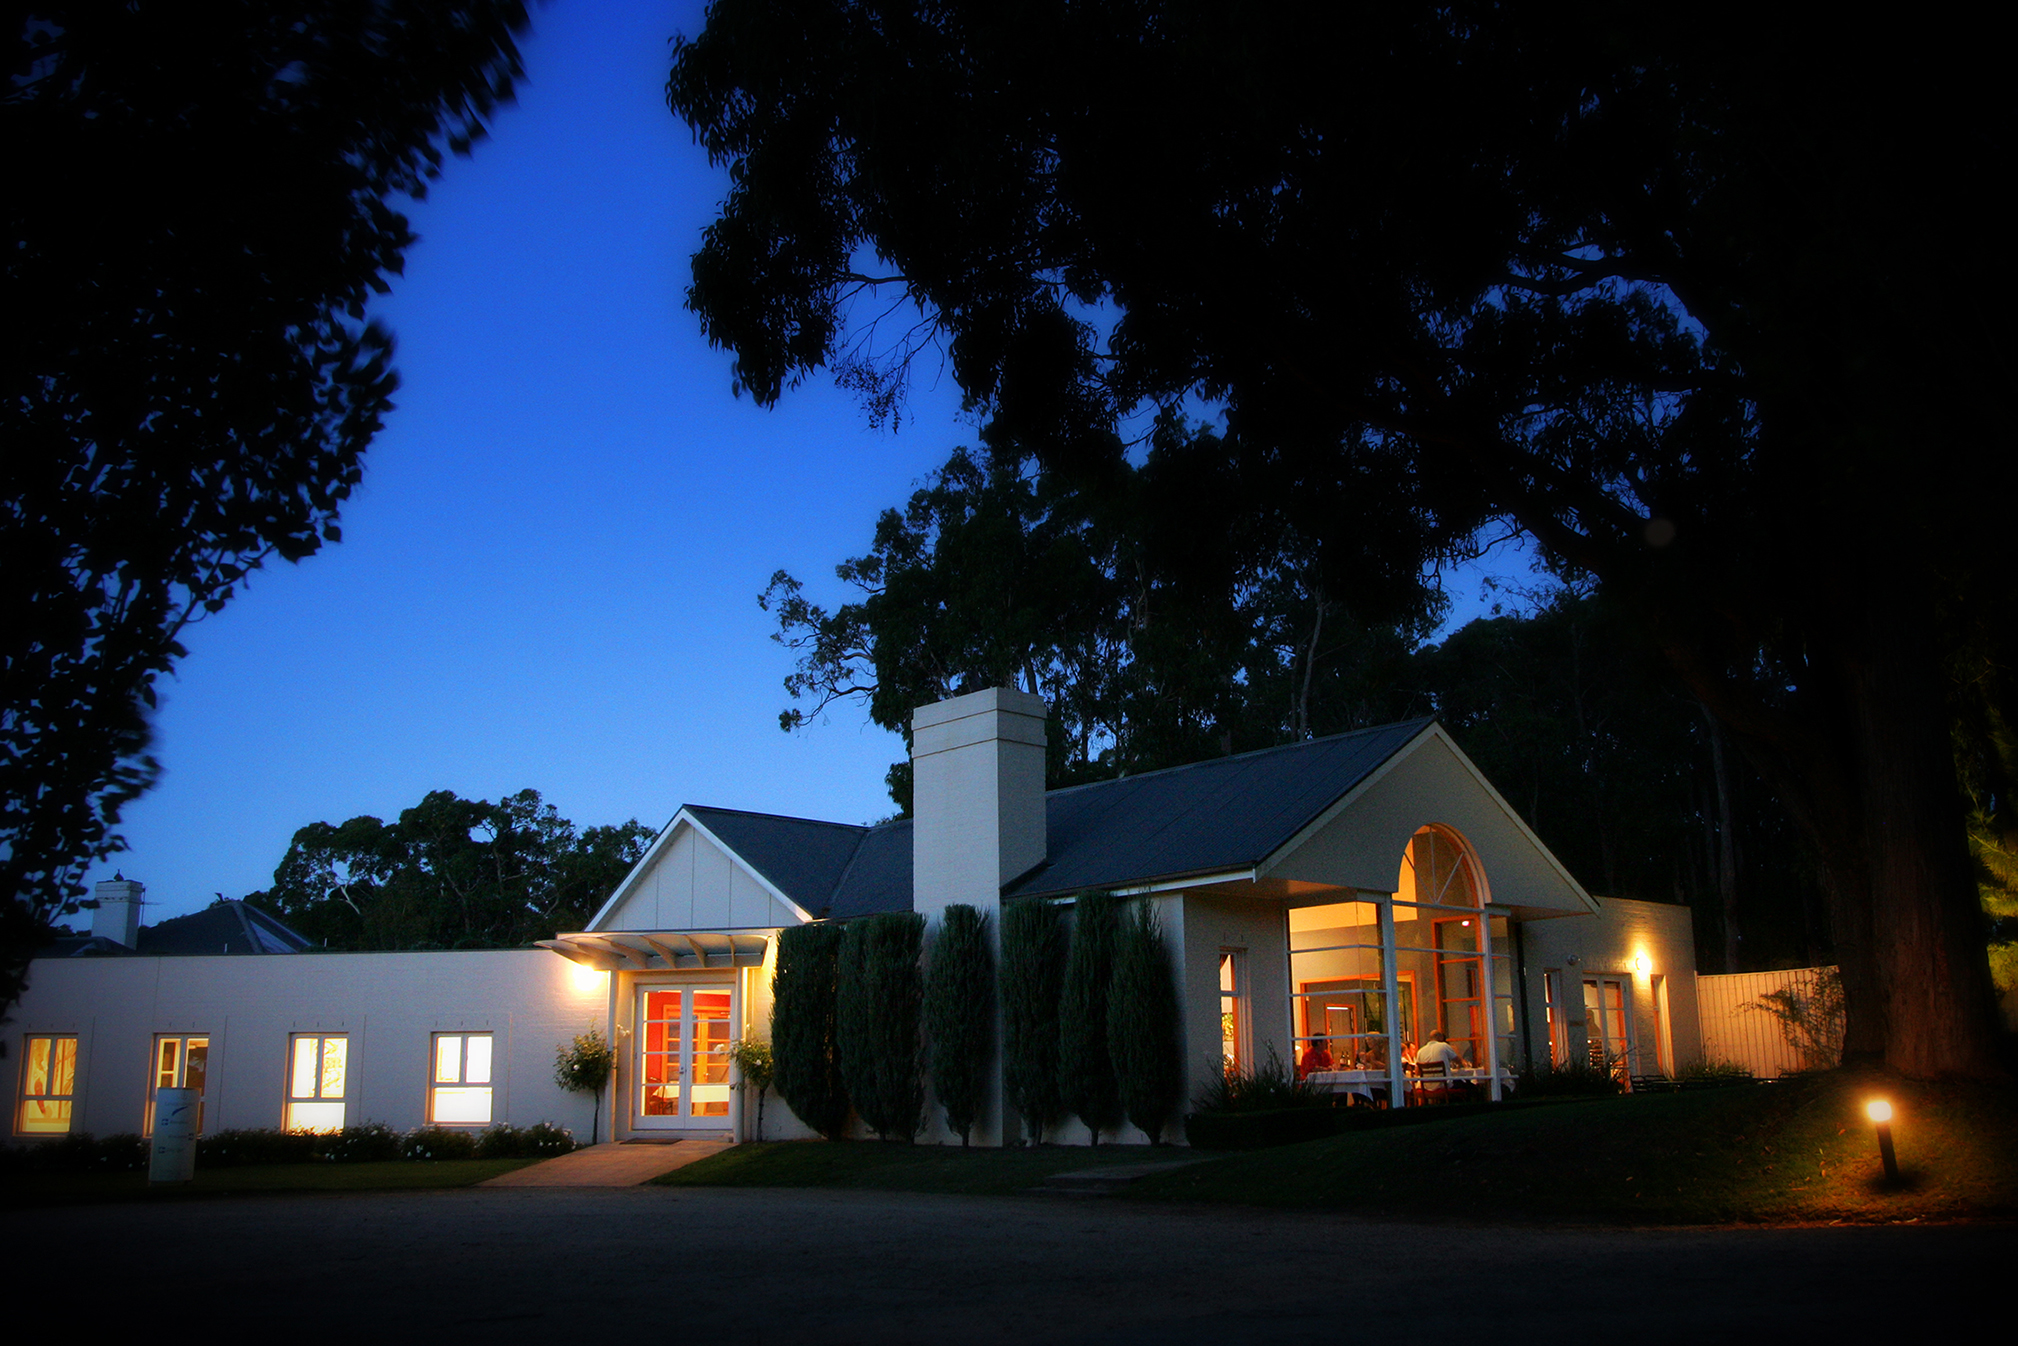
753 1060
583 1067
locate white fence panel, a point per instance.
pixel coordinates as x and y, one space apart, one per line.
1750 1037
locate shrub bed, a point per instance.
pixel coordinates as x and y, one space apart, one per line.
371 1142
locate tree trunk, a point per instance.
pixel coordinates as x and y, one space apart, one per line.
1932 968
1727 850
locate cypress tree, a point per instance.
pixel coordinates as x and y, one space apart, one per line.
808 1075
1033 974
1085 1070
878 998
1142 1024
960 1015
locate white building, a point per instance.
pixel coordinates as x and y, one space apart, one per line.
1352 893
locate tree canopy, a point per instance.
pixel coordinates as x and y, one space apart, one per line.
205 200
1702 302
450 873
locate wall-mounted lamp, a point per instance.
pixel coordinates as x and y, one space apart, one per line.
1642 964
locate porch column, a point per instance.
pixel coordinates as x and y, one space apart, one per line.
1390 988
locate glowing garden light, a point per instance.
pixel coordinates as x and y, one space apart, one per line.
1879 1110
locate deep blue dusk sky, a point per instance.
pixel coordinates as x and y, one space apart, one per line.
549 578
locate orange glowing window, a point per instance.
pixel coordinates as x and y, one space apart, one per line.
48 1086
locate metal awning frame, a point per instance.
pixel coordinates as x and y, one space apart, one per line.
663 950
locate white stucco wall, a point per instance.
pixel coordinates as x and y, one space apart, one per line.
389 1005
1360 845
1607 945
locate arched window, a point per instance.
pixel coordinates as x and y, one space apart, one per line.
1441 943
1437 869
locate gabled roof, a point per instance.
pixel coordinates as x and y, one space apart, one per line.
1230 813
1231 816
803 859
832 870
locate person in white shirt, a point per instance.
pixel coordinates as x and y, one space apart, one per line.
1438 1052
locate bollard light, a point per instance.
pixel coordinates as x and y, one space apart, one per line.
1879 1110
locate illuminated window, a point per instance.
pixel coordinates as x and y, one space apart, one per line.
1233 1015
180 1062
48 1086
316 1077
460 1092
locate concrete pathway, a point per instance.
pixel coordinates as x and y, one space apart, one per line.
1109 1181
610 1164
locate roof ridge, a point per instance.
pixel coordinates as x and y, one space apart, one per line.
244 923
1417 724
780 817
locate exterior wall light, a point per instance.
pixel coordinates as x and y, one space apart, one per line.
587 980
1879 1110
1642 964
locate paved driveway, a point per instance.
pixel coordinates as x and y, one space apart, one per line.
834 1267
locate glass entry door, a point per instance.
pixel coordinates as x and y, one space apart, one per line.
683 1057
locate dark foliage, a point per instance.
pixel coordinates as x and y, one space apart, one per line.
541 1140
364 1143
250 1146
879 993
451 873
78 1152
803 1028
960 1015
1086 1085
438 1142
1161 621
1033 977
1143 1035
1653 286
204 202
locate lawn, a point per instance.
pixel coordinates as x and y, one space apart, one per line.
46 1189
1789 1152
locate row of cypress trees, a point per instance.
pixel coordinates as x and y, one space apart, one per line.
849 1003
1090 1020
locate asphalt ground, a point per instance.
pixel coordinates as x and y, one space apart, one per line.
827 1267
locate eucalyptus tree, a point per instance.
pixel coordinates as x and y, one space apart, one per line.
1707 303
205 199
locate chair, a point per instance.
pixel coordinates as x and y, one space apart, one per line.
1432 1084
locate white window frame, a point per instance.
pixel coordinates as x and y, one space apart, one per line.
67 1101
315 1103
180 1077
461 1079
1240 993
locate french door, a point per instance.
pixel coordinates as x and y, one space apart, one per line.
683 1057
1608 1023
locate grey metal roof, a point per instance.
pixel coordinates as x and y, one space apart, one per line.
805 860
222 927
1228 813
880 877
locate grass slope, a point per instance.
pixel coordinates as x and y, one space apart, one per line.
1790 1152
1795 1151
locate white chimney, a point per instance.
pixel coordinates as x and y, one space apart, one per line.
977 810
977 799
118 914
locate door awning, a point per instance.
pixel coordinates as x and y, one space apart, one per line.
662 950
